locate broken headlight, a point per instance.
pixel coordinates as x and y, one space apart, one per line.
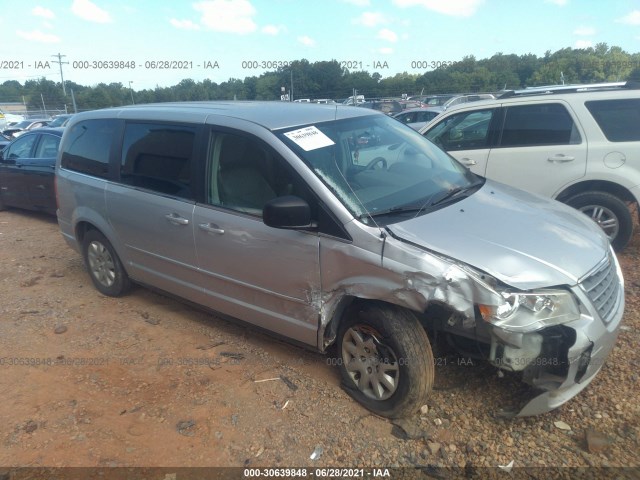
524 312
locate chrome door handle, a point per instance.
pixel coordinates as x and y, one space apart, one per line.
560 158
211 228
468 162
176 219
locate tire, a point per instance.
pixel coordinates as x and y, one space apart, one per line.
390 343
608 211
104 266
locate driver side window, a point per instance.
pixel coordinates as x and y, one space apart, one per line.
463 131
21 148
243 174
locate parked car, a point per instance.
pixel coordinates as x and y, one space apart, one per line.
417 118
433 100
384 242
385 106
60 120
8 119
408 104
577 144
459 99
21 127
4 141
27 166
359 99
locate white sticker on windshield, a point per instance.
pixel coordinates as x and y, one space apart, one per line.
309 138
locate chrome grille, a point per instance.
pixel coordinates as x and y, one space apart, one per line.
602 287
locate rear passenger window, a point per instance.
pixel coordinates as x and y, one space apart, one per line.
531 125
89 146
48 147
618 119
158 157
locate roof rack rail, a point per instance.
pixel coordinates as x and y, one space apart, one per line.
551 89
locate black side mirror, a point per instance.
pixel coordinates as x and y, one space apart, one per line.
287 212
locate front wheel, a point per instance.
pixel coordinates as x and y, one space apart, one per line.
105 269
608 211
385 359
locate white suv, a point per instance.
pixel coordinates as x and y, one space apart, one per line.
577 144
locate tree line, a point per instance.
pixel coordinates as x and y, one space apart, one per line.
327 79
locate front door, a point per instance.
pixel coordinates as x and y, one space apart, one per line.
39 173
266 276
13 190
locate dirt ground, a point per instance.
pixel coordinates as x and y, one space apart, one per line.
145 380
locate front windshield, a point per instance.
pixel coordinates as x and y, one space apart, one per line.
379 168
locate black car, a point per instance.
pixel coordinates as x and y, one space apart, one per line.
4 141
27 167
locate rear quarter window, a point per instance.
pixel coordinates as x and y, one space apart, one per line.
619 120
87 147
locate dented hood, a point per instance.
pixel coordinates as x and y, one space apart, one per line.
524 240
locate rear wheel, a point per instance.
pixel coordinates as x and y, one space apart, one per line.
385 359
608 211
105 269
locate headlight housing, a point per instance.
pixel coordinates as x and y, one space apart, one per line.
524 312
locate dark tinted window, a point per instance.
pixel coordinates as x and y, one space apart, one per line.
87 147
546 124
618 119
158 157
425 116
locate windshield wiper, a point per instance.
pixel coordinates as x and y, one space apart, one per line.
399 209
454 191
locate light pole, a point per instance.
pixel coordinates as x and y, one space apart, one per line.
60 62
133 102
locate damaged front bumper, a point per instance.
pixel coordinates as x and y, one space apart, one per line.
561 361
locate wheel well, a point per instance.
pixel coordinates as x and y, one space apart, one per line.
349 301
597 186
81 230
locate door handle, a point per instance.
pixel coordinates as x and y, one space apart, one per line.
211 228
561 158
468 162
176 219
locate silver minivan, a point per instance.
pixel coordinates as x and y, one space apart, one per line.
339 226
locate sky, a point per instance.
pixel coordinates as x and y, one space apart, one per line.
147 43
